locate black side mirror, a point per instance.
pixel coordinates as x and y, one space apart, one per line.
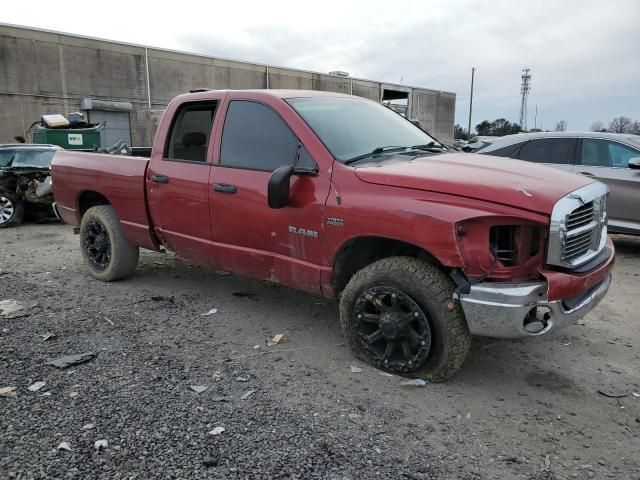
278 188
634 163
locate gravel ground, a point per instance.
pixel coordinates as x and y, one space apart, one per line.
519 409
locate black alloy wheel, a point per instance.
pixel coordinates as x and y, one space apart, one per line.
97 245
392 329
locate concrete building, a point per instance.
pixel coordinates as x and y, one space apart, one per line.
127 86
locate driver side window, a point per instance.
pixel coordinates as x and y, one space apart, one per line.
605 153
256 138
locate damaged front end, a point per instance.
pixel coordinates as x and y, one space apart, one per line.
25 183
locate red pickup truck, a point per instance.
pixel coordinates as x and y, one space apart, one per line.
342 197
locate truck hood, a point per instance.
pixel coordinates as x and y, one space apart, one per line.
500 180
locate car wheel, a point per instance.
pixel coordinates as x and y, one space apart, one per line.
105 250
399 316
11 212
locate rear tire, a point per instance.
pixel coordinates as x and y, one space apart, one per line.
408 304
11 212
105 250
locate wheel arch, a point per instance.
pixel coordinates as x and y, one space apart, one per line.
90 198
358 252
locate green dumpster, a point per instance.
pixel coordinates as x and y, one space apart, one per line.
69 139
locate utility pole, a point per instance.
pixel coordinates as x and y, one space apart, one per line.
473 71
525 87
535 119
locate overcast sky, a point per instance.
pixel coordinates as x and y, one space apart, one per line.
584 55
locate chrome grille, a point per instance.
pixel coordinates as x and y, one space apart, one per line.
580 216
578 229
582 232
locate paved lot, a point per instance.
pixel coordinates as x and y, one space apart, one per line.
519 409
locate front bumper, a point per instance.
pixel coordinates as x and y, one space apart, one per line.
505 310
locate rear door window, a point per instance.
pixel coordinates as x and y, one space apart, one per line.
505 151
189 137
549 150
256 138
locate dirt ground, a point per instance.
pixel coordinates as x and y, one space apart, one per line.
531 409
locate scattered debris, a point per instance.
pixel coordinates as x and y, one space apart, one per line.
210 461
418 382
46 394
378 451
48 336
386 374
275 340
109 321
73 394
250 296
88 426
162 298
100 444
70 360
243 379
14 309
36 386
64 446
8 392
612 394
216 431
355 369
256 347
566 344
210 312
635 394
199 388
547 461
247 395
218 398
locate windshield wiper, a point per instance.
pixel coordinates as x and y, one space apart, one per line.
374 152
430 147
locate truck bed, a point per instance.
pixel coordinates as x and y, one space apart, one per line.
119 180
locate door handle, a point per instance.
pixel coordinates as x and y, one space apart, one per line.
588 174
224 188
160 178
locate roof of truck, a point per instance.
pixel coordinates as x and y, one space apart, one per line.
279 93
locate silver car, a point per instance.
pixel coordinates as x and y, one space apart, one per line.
613 158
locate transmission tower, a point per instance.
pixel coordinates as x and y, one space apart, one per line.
525 87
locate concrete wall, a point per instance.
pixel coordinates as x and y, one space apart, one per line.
47 72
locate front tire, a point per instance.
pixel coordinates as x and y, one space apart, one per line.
399 316
105 250
11 212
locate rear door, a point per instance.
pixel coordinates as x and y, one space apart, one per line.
178 181
555 152
283 245
608 161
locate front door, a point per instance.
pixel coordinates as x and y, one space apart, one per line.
178 183
608 161
283 245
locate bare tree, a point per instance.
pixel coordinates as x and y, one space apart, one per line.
635 128
620 125
561 126
598 127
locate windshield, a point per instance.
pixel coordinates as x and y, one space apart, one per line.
351 127
26 158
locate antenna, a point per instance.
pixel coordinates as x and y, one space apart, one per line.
525 87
